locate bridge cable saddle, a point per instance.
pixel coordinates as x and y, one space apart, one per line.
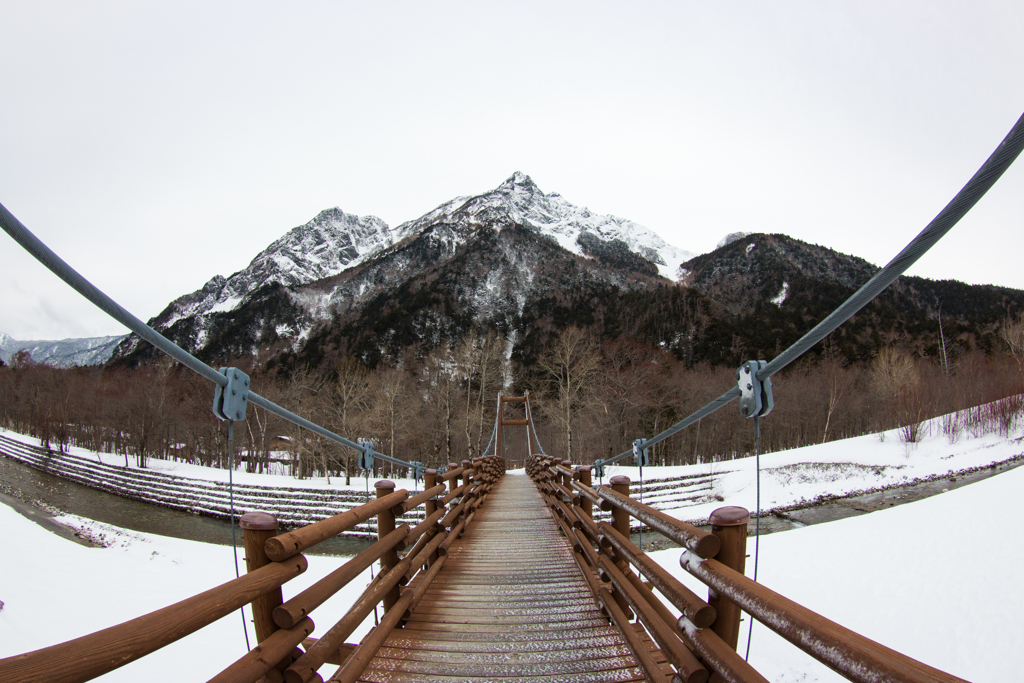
231 401
756 398
366 457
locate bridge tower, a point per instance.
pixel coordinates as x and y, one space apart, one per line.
524 420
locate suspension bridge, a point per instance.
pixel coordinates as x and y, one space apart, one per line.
505 576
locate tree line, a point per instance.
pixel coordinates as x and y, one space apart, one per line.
592 397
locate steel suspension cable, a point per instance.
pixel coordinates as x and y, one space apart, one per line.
42 253
980 183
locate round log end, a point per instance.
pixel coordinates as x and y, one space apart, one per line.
284 618
300 563
705 547
258 521
386 484
703 617
731 515
619 480
276 550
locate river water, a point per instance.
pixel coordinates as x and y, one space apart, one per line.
27 484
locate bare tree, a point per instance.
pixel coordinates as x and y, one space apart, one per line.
347 405
837 381
571 366
1012 334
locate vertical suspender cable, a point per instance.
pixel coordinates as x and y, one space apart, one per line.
757 522
231 497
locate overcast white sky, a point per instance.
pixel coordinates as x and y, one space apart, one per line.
154 146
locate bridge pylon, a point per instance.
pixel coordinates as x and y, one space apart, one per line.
503 421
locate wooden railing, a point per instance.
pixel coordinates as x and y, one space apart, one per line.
700 642
282 626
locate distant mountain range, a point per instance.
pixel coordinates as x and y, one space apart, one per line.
62 353
498 254
528 263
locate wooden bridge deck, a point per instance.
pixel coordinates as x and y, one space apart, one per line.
510 604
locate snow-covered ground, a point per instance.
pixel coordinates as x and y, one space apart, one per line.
937 579
55 590
849 466
240 476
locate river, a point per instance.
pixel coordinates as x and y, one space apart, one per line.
27 485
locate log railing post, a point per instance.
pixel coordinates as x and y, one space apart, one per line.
620 520
430 507
385 526
257 527
586 507
730 525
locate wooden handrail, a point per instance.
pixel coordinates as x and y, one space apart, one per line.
695 609
669 639
854 656
266 655
688 536
451 474
452 495
294 610
98 653
286 545
95 654
418 500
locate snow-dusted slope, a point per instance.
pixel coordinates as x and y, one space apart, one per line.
518 200
62 353
370 258
325 246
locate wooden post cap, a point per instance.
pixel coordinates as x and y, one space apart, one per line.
621 480
453 465
430 471
731 515
584 468
258 521
385 484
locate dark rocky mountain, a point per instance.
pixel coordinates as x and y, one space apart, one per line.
62 353
499 253
528 264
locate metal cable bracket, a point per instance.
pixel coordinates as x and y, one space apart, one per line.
756 398
641 456
231 400
366 457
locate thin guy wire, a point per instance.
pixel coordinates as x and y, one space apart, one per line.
234 542
980 183
757 523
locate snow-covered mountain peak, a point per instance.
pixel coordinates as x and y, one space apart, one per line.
520 201
328 244
519 183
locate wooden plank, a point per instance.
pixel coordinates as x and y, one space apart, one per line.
617 676
510 605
